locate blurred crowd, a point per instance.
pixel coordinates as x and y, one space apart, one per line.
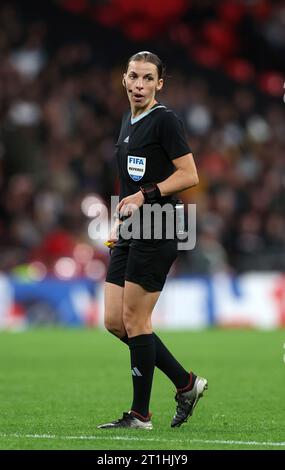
60 116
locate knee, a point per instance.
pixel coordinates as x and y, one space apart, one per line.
115 327
128 319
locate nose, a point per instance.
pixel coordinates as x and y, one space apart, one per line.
139 83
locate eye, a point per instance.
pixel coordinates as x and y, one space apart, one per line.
149 79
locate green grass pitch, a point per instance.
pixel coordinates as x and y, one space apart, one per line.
57 385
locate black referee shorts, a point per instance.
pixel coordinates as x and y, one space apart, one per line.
144 262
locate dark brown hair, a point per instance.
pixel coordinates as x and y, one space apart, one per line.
146 56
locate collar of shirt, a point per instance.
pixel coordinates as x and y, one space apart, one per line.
146 113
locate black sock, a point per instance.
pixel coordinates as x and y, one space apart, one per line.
142 349
167 363
125 339
191 380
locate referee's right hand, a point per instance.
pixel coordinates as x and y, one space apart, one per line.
128 205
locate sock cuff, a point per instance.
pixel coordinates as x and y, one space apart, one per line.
192 378
141 417
141 341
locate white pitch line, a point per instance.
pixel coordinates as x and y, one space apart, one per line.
127 438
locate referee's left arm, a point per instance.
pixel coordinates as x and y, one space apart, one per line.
185 176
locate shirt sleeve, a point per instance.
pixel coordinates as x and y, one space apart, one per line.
172 136
125 118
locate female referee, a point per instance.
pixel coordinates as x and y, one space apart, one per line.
154 162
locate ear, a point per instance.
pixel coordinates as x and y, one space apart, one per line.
159 84
124 80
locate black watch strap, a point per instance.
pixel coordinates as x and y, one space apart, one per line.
151 193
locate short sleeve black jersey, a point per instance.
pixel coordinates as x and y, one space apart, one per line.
146 147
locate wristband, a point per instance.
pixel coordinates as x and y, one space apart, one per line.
151 193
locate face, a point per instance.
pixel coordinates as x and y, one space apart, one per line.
142 82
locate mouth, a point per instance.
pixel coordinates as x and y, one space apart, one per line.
138 96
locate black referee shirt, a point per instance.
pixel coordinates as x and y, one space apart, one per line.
146 147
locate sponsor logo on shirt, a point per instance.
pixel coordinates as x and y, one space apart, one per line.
136 167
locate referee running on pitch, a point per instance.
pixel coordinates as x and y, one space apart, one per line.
155 162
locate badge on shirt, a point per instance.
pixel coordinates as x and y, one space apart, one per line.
136 167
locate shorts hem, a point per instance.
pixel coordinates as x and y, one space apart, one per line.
117 283
145 286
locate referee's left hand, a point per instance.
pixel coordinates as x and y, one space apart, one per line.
128 205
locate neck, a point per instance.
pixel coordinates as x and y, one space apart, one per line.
138 111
